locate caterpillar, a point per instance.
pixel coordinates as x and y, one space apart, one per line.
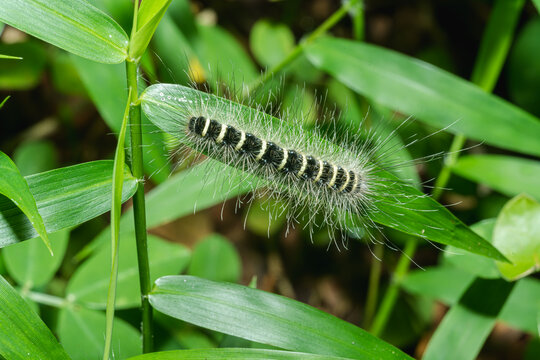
327 181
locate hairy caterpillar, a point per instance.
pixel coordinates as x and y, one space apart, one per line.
341 183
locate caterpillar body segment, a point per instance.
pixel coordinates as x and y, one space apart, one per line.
270 155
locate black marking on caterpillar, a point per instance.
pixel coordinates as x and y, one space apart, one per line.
264 153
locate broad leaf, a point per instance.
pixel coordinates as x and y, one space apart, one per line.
75 26
65 197
31 264
432 95
266 318
215 258
270 43
22 333
517 235
393 203
14 187
81 332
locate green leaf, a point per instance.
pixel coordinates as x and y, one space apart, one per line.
472 263
215 258
447 284
266 318
150 14
422 216
25 74
432 95
75 26
467 325
240 354
30 264
517 235
81 332
35 156
509 175
176 67
65 197
15 188
90 282
270 42
22 333
523 72
223 58
537 4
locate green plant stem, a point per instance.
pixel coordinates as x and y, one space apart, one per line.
392 292
325 26
46 299
139 209
373 287
494 48
358 21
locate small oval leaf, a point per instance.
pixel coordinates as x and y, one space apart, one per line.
517 235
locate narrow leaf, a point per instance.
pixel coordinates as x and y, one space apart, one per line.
150 14
432 95
116 210
266 318
234 354
466 326
509 175
75 26
65 197
15 188
22 333
447 284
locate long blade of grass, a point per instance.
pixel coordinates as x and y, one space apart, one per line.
116 209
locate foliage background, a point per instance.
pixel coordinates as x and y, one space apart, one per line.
51 120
